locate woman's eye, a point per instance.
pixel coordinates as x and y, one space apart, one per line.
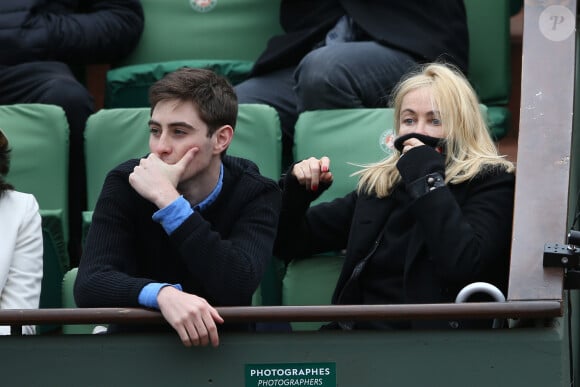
436 121
408 121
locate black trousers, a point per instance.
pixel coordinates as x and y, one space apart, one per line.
54 83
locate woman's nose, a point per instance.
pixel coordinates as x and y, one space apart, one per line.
421 127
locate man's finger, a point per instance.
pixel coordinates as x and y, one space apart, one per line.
211 330
187 157
193 333
216 316
184 336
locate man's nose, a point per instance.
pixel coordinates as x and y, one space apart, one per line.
161 146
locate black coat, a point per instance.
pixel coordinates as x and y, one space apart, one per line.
461 234
428 30
71 31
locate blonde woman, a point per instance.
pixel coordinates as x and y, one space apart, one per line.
423 223
20 246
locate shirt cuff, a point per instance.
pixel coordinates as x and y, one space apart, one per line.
173 215
149 293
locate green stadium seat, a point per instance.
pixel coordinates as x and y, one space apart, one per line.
123 133
320 272
54 264
68 301
258 137
226 36
489 58
128 86
38 137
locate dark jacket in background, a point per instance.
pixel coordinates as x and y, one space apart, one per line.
71 31
428 30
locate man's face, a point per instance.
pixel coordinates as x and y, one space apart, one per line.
175 127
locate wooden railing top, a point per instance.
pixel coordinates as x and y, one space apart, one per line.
480 310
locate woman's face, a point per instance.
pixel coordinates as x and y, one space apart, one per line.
420 115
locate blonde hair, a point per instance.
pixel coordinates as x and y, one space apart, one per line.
470 148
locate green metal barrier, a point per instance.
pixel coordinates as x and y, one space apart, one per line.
522 357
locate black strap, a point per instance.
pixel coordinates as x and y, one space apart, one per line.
426 184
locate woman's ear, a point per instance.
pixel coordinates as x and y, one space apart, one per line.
223 138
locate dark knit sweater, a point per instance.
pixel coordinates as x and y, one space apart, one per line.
219 254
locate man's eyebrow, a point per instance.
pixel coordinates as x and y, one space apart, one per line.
173 124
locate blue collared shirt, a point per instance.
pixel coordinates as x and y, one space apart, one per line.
170 218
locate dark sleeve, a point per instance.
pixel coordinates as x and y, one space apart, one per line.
107 272
468 241
422 169
229 270
108 31
303 231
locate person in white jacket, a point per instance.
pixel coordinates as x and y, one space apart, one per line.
21 248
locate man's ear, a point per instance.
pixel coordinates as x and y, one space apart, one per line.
223 138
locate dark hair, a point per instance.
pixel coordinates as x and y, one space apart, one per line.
213 95
4 163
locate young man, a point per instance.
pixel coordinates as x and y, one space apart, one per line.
186 227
